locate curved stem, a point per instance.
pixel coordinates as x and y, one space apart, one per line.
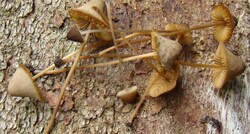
104 64
164 34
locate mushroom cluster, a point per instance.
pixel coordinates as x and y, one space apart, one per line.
167 45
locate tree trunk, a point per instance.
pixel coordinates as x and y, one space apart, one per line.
34 33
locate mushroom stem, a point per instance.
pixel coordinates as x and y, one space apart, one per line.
143 32
138 106
104 64
113 34
65 59
194 28
71 72
138 53
52 66
198 65
98 56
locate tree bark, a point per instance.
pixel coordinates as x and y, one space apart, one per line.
34 33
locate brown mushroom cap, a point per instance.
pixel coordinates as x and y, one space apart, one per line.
158 85
86 14
75 35
186 38
128 95
22 85
231 66
167 50
220 14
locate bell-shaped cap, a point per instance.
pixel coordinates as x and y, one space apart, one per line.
22 85
128 95
75 35
231 66
220 14
86 14
167 50
185 38
158 85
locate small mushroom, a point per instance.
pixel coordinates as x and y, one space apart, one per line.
22 85
231 66
221 15
167 50
226 66
75 35
158 85
185 38
128 95
93 12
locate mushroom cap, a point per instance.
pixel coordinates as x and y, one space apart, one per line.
22 85
86 14
231 66
220 14
128 95
186 38
167 50
75 35
158 85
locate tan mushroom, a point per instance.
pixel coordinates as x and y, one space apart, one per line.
128 95
185 38
22 85
158 85
220 14
93 12
226 66
167 50
231 66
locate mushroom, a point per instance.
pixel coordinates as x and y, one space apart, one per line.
22 85
167 50
128 95
75 35
159 83
226 66
231 66
185 38
93 13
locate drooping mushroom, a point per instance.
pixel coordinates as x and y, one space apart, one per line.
90 13
22 85
232 66
226 66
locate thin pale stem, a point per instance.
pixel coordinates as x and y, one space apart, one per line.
52 66
138 106
113 34
164 34
198 65
71 72
98 56
148 55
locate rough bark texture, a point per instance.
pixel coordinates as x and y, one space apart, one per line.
31 33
